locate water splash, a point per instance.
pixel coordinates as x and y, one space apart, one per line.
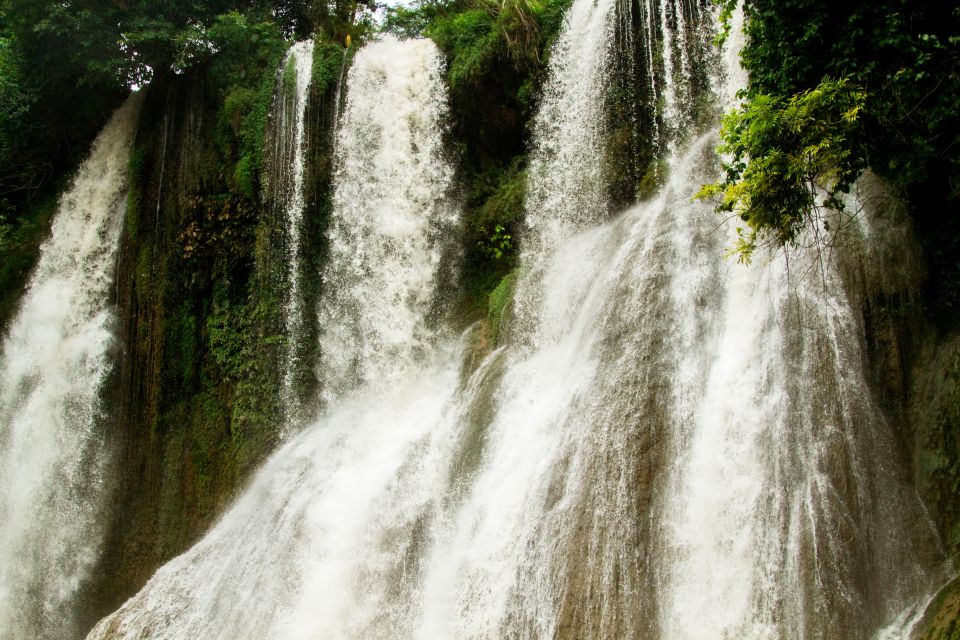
671 446
55 359
568 192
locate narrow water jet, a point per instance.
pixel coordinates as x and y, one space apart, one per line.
392 213
568 130
285 184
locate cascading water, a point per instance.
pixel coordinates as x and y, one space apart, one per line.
288 129
670 445
567 159
386 229
334 514
55 359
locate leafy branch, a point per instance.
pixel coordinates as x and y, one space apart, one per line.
786 157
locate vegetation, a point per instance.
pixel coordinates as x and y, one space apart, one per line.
836 88
65 66
498 313
199 270
940 621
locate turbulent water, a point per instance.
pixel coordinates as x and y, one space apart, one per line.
567 161
670 445
55 359
287 159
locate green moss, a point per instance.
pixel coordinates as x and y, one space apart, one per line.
135 192
172 523
142 275
290 75
498 306
181 337
653 178
244 176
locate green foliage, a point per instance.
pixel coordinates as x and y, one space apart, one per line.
411 21
900 93
727 7
244 46
473 39
503 204
782 151
243 360
46 118
487 32
498 245
244 73
20 239
328 61
495 52
17 95
495 212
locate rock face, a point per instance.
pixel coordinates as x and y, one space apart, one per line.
200 293
935 417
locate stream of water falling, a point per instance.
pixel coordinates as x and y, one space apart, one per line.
392 217
670 445
54 360
288 124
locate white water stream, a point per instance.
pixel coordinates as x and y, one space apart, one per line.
392 213
289 124
321 543
54 360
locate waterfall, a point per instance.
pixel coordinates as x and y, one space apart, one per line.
329 528
54 360
669 445
386 229
785 514
568 129
287 135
